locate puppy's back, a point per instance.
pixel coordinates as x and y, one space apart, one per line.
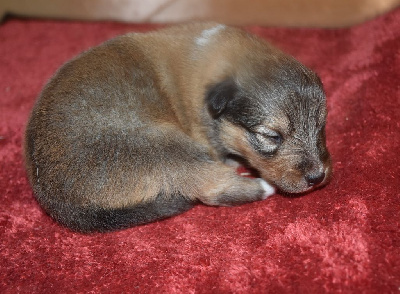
88 141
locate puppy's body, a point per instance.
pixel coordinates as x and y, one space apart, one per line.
139 128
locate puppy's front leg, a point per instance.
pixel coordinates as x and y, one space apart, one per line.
222 186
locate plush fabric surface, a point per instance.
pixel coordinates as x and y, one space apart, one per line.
344 238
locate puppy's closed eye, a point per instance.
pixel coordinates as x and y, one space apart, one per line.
265 141
270 135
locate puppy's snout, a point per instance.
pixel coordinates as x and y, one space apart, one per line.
314 180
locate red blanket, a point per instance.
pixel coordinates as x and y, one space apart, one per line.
343 238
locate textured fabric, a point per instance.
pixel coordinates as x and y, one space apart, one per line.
343 238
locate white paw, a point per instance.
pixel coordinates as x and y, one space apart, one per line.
269 190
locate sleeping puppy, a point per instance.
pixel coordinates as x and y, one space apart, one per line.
143 127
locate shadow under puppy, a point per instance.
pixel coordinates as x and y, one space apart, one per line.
144 126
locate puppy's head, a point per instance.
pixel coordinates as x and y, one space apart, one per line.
273 116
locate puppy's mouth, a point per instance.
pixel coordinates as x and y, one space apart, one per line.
247 171
244 169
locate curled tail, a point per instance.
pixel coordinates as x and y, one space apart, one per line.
99 219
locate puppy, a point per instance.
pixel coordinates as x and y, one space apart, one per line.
142 127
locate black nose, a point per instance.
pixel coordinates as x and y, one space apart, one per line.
314 180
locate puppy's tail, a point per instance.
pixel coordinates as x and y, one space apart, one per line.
99 219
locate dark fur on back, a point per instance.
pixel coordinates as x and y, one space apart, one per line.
94 218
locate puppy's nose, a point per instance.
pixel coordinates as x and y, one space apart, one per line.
314 180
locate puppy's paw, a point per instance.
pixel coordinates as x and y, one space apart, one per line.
236 190
268 189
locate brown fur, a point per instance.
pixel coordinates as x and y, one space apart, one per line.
138 128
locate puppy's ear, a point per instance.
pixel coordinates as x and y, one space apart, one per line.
218 97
